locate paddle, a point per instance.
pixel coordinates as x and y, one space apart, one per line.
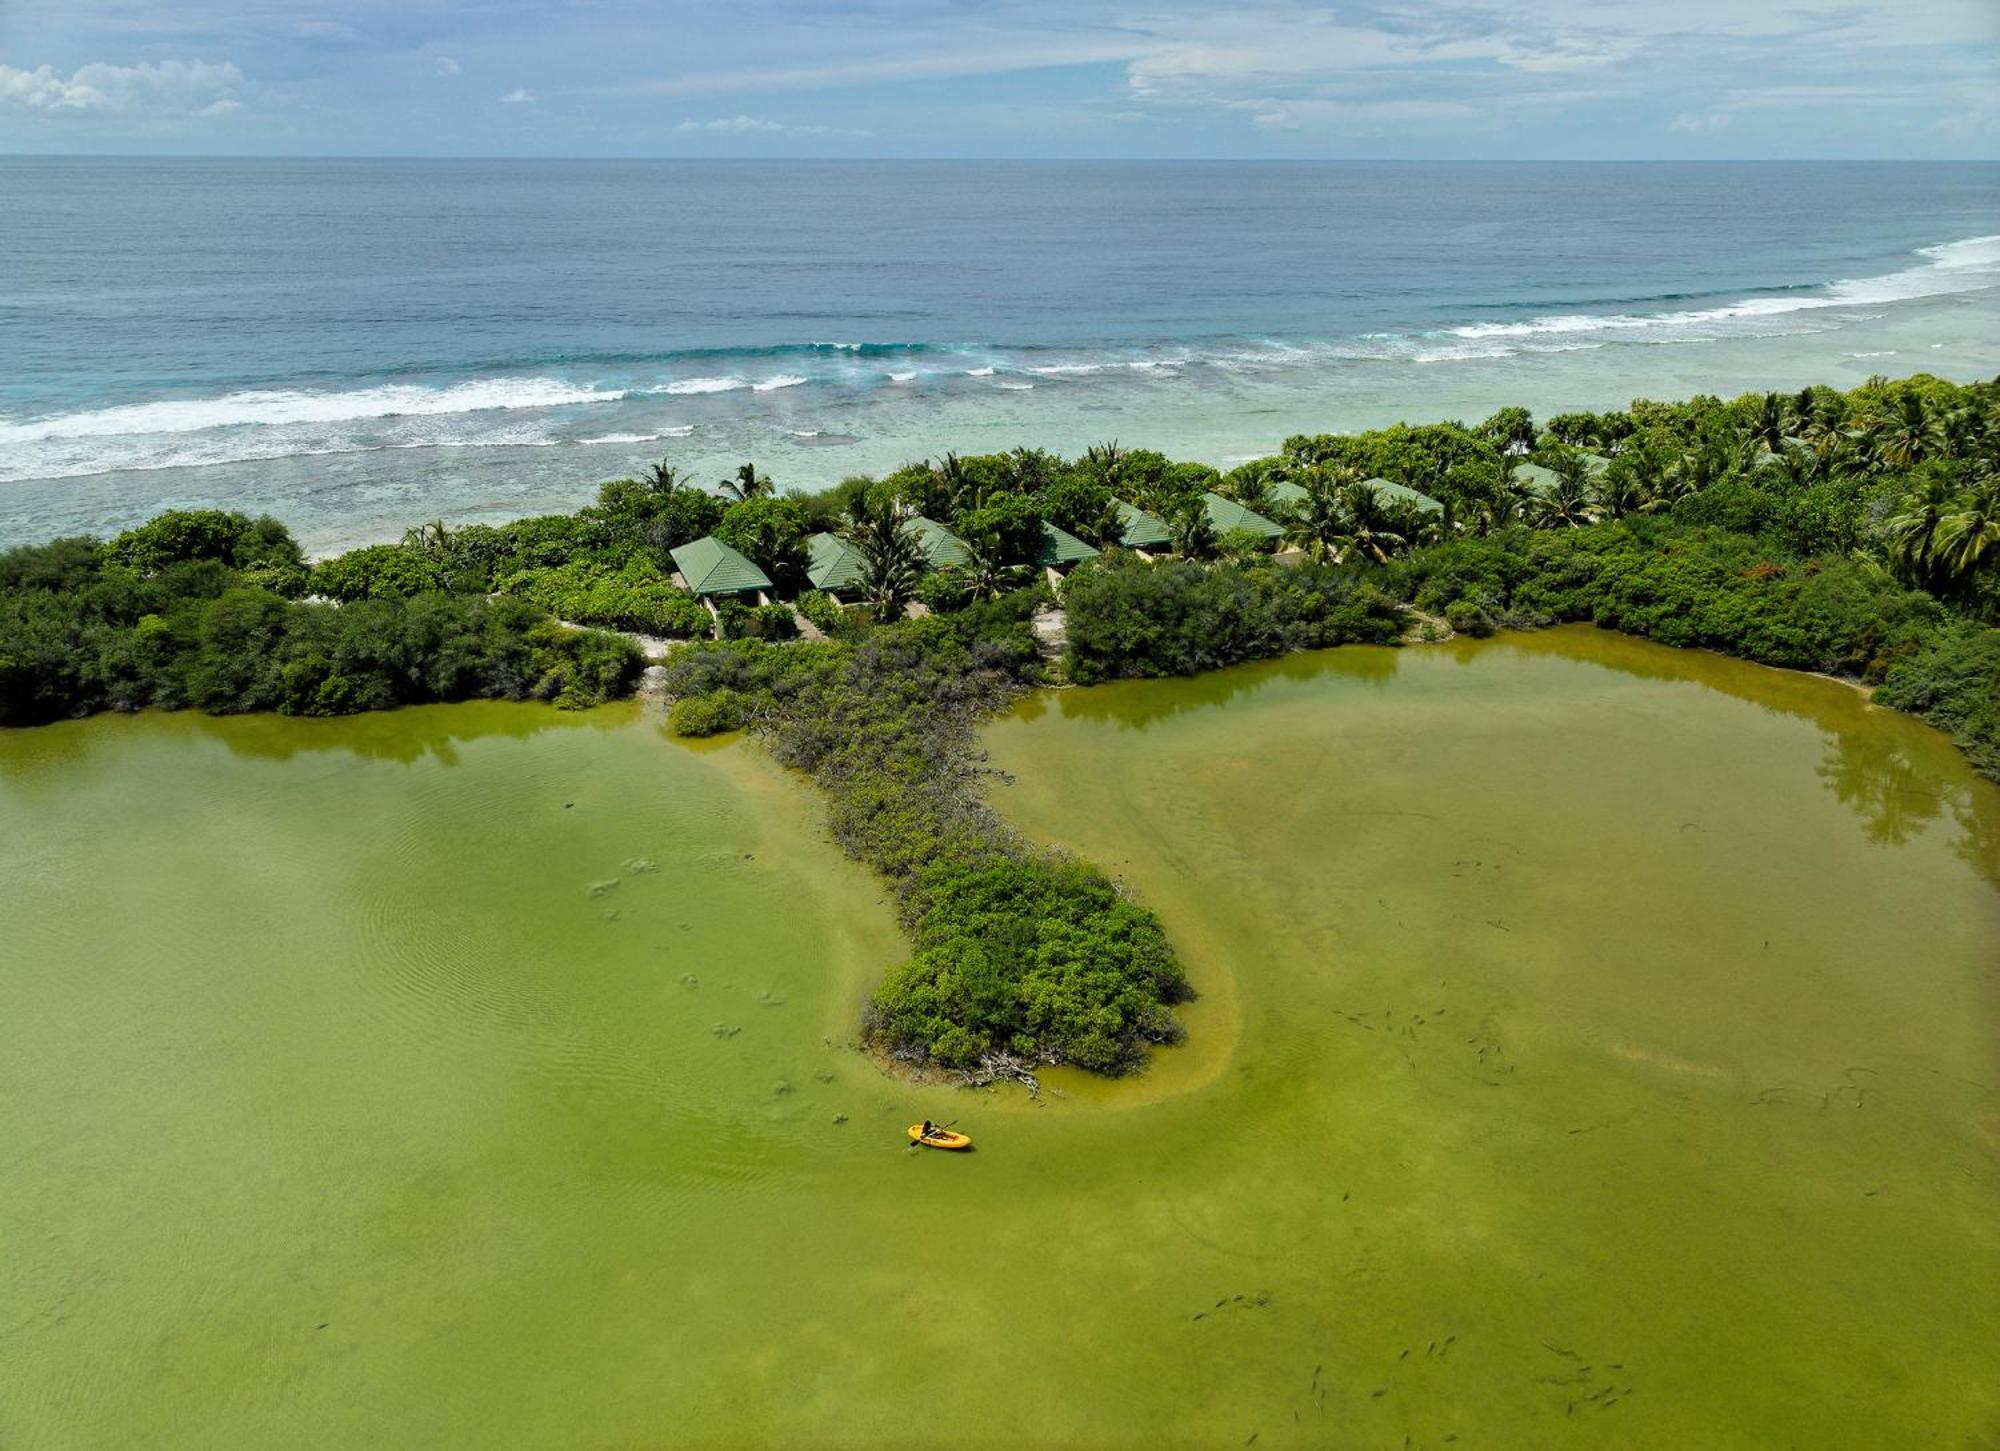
935 1130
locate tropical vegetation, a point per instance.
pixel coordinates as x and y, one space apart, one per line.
1855 533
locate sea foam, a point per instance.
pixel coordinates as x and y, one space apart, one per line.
1969 265
269 408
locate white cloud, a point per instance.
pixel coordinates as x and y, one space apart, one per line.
518 97
446 66
167 88
1692 123
747 126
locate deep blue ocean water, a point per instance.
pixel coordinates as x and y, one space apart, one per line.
356 344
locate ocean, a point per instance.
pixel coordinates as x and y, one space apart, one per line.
358 346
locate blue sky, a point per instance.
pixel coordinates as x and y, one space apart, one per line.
1043 78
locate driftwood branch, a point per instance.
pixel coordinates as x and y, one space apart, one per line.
998 1068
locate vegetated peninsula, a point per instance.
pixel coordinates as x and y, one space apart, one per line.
865 631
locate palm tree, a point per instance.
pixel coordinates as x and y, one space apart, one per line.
1193 532
1967 432
1566 505
1910 433
954 486
1319 522
877 528
989 573
1804 410
433 538
1503 511
1966 538
1371 530
1911 534
1108 459
1766 430
746 483
1617 492
663 479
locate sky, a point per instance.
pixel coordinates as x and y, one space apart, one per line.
1528 79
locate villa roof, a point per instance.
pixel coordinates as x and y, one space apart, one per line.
1229 517
1534 478
1060 547
1403 494
834 564
1597 463
1287 492
1142 530
941 547
711 567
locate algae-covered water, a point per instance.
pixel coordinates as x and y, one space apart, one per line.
1597 1046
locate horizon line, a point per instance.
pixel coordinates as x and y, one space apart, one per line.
1028 160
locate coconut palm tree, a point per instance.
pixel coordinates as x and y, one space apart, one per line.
1969 536
988 573
1911 534
1108 459
1371 527
746 483
878 529
663 479
1503 511
433 538
1319 522
1566 505
1909 432
1192 530
953 485
1766 429
1617 492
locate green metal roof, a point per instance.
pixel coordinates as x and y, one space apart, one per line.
1534 478
1142 530
711 567
834 564
941 547
1597 463
1059 547
1287 492
1397 493
1230 517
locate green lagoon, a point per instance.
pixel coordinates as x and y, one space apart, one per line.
1597 1046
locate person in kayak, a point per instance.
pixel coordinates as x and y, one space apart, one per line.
929 1128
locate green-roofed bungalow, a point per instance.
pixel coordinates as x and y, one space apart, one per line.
1229 517
834 565
713 570
1061 549
942 548
1287 492
1595 464
1396 493
1142 530
1535 479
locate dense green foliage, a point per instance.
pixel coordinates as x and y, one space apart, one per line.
179 613
1018 952
636 597
1179 617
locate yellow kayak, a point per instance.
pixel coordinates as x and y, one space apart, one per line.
939 1138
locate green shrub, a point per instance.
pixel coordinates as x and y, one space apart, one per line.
708 715
1467 618
758 622
1178 617
637 596
820 609
377 572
